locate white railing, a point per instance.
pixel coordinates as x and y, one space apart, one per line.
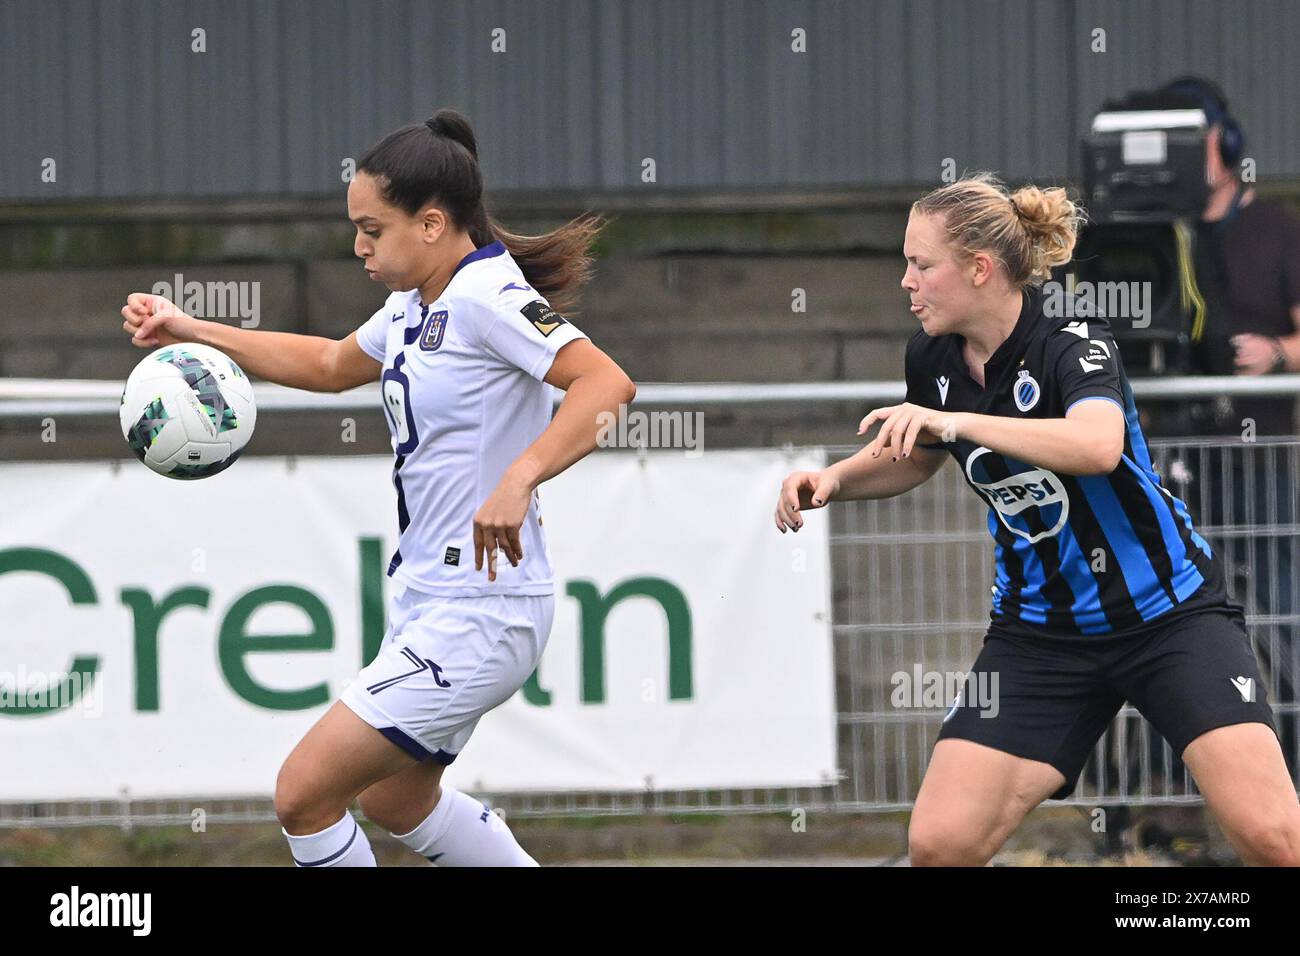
33 397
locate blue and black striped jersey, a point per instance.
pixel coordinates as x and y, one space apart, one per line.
1075 555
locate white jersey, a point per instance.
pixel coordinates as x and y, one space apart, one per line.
463 393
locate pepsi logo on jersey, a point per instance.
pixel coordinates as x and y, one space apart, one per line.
1013 497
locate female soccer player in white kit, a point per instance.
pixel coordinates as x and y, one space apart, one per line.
467 349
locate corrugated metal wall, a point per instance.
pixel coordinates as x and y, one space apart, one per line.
710 89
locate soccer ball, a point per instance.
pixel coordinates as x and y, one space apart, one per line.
187 411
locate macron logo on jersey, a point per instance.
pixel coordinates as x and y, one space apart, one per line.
942 382
1245 687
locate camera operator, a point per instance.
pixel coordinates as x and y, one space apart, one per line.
1247 269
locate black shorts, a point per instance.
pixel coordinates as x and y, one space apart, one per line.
1050 700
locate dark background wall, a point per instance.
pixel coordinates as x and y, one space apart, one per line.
586 90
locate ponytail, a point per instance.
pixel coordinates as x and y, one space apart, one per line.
557 263
437 161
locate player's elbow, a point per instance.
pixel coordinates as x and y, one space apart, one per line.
341 367
326 375
1097 433
615 385
1104 456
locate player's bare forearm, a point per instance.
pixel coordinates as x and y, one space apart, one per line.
863 477
572 433
1089 443
286 358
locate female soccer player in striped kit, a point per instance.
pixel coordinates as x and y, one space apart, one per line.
1103 589
467 349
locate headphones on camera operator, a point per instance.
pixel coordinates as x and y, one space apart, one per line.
1232 140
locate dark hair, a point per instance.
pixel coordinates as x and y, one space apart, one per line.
437 162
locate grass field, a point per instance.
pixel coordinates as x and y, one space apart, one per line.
1050 837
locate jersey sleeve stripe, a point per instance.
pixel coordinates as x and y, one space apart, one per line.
1094 398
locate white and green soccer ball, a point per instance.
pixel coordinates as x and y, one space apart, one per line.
187 411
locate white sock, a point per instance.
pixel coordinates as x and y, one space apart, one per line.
343 844
462 831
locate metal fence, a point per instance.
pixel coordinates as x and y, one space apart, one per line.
914 574
911 578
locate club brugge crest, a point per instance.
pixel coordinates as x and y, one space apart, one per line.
1025 391
434 327
1031 503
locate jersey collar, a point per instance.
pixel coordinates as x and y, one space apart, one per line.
1008 351
487 252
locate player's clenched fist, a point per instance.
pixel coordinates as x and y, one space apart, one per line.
803 491
153 320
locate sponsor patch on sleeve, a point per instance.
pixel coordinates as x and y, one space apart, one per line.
545 319
1098 355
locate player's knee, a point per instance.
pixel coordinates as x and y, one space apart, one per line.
290 803
298 807
938 843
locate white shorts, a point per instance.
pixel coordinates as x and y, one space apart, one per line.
444 663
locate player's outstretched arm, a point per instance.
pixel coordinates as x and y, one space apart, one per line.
856 478
286 358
